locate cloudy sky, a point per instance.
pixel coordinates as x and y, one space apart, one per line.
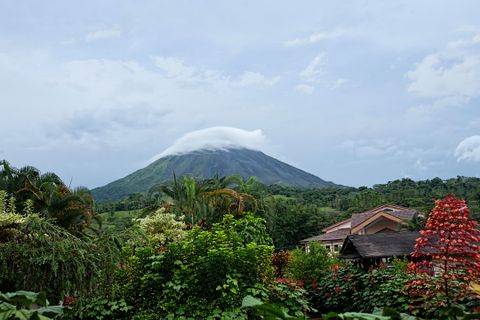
356 92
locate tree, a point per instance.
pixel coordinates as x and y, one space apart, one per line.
186 196
50 197
447 254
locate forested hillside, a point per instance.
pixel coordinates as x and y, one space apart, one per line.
293 213
405 192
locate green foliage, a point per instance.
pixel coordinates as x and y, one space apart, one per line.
268 310
378 314
293 214
291 219
163 227
275 312
205 275
404 192
290 296
312 265
100 308
118 221
349 288
9 218
26 305
48 196
40 255
218 266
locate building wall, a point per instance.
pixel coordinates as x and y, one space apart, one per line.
381 224
333 246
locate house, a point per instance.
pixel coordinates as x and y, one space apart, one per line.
382 219
368 250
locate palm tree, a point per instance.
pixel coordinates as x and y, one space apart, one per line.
51 198
237 200
185 195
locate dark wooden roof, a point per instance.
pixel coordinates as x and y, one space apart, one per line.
379 245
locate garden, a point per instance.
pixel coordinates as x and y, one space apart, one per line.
57 261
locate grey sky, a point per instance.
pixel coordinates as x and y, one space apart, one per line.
357 92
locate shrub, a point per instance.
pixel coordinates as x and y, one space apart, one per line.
310 266
290 296
38 255
350 288
163 227
100 308
205 275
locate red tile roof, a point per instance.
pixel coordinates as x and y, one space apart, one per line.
400 212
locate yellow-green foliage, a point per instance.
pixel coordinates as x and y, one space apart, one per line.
9 218
163 227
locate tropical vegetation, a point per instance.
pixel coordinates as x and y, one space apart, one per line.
222 248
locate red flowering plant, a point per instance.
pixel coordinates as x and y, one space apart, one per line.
291 295
292 283
446 257
280 262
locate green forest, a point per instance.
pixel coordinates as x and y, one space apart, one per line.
228 248
292 214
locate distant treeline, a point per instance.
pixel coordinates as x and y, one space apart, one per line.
296 213
405 192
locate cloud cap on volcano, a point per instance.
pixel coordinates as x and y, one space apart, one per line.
216 138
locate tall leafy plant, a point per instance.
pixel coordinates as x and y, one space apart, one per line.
37 255
446 256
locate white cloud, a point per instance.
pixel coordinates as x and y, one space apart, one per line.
437 77
113 32
315 73
250 78
304 88
313 38
425 165
468 149
340 82
372 148
315 69
420 166
216 138
116 108
177 69
450 73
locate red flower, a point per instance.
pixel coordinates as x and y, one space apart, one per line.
447 245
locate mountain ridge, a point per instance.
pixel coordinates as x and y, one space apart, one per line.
206 164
